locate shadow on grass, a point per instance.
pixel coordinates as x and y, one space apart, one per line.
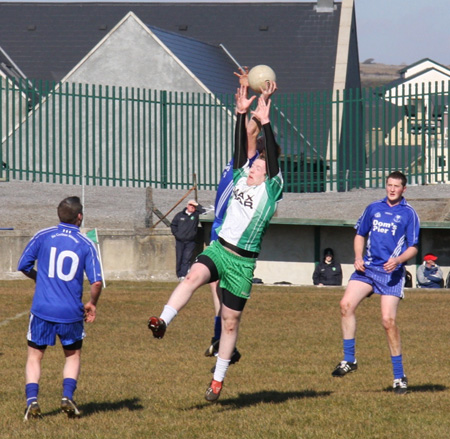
422 388
96 407
266 397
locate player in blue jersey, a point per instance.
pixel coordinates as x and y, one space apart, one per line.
232 257
255 146
391 227
63 256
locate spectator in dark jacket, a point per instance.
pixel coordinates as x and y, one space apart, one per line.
185 227
429 274
328 272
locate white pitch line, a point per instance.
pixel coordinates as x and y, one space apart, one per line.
17 316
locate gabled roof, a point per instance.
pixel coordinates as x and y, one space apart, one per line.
400 81
210 64
46 40
156 59
422 61
403 81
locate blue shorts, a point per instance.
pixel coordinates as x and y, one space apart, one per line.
43 333
387 284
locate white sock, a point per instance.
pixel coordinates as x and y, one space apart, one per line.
221 369
168 314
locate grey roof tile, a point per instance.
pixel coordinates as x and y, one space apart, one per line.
299 43
208 63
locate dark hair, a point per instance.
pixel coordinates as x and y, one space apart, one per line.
261 148
397 175
260 144
68 210
328 251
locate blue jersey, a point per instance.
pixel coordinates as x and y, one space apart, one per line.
63 256
389 230
224 190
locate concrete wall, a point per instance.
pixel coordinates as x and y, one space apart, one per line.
126 255
288 253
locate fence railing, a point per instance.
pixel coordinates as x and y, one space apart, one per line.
116 136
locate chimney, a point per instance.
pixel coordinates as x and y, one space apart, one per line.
325 6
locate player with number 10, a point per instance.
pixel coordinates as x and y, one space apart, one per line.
63 256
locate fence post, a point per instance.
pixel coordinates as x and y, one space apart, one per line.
163 125
2 163
148 207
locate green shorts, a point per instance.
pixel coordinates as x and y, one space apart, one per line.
235 272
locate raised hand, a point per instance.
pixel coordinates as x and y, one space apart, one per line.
242 75
262 111
242 101
271 87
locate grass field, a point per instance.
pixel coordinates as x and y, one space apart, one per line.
134 386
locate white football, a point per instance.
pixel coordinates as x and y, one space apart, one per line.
258 77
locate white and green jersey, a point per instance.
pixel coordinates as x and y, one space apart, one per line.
250 210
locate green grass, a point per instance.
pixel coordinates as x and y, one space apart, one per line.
134 386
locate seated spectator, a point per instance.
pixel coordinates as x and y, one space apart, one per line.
328 272
429 274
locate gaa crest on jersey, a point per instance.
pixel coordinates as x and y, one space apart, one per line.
397 218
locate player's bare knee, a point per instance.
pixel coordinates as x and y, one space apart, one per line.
230 324
189 277
345 308
193 279
388 323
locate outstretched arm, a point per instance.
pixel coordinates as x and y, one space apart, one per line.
262 114
240 136
253 125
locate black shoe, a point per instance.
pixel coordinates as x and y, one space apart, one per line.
234 359
213 349
157 326
33 411
343 368
68 406
401 386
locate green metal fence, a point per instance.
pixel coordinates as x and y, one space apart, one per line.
115 136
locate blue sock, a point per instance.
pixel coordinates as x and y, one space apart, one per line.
69 386
349 350
217 327
397 366
31 392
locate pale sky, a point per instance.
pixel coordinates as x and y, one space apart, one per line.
403 31
392 31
